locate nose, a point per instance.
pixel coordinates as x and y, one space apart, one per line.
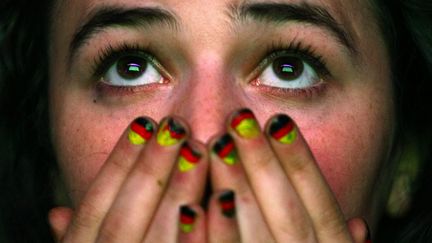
206 97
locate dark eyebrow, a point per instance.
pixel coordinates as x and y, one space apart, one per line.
112 16
281 13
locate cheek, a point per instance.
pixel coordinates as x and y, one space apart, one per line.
349 149
84 133
80 161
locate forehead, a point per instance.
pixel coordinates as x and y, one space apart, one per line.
211 23
347 12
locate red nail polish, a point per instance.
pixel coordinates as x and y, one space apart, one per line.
245 124
283 129
140 131
170 132
225 149
187 219
188 158
227 204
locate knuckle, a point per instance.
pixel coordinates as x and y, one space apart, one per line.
87 216
121 166
111 228
263 162
297 164
150 170
331 226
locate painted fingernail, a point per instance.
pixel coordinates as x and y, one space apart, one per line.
245 124
227 204
282 129
187 219
188 158
225 149
140 131
170 132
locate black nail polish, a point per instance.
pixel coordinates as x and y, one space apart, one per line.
282 129
187 219
227 204
225 149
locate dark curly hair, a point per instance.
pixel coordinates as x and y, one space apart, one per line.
28 165
26 159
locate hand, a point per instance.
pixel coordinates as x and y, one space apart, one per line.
137 193
280 193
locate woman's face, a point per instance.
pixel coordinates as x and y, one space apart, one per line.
322 62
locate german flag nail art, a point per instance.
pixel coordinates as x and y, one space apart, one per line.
170 133
140 131
187 219
282 129
225 149
245 124
227 204
188 158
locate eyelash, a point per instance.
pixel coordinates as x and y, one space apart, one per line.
298 49
307 53
109 55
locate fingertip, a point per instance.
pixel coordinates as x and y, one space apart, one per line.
59 219
191 224
244 124
172 130
359 230
140 130
223 147
191 155
282 129
223 225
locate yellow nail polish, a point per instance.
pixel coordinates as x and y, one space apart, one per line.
170 133
188 158
245 124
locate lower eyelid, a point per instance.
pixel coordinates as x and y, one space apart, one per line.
105 89
305 93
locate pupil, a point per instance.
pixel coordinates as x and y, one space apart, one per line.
288 68
131 67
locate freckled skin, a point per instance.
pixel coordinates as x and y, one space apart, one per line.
349 127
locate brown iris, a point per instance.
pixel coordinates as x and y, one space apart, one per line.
131 67
288 68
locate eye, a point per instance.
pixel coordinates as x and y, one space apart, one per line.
131 70
289 72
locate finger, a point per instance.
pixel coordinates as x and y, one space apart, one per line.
191 225
359 230
104 188
282 209
185 187
222 222
227 172
300 166
135 205
59 219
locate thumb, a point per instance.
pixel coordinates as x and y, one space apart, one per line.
359 230
59 219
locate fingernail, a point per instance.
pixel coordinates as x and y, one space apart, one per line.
140 131
188 158
227 204
187 219
225 149
245 124
282 129
170 132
